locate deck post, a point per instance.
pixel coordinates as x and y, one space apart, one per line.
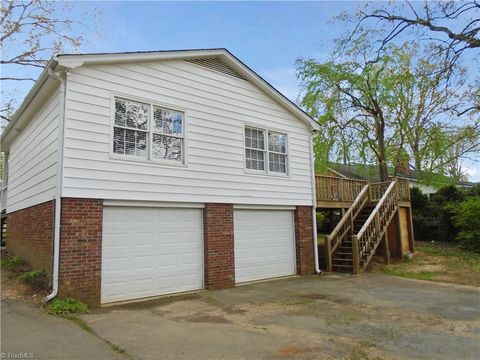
386 248
328 255
411 238
355 255
399 232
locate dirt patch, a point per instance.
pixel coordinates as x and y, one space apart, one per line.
442 263
13 289
428 268
329 298
289 350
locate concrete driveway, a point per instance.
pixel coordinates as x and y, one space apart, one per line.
29 333
370 316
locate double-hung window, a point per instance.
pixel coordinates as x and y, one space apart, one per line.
277 152
266 150
255 148
148 131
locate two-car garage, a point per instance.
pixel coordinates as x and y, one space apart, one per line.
151 251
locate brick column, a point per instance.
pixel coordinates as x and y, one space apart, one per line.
304 240
81 249
218 246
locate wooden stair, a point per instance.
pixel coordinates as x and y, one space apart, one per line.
355 239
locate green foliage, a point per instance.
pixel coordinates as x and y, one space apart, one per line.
467 219
66 306
33 277
452 214
320 219
12 262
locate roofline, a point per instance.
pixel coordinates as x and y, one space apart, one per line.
75 60
30 96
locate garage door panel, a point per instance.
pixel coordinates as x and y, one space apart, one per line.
150 251
264 244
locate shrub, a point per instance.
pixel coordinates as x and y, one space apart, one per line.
433 219
66 306
467 219
12 262
33 277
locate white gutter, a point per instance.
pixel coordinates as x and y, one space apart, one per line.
314 207
58 193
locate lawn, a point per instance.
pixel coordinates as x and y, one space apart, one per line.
434 262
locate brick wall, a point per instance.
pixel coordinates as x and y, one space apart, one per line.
304 240
81 249
218 246
30 235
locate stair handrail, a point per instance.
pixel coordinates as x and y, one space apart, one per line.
345 223
374 225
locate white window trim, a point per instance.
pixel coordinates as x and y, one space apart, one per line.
148 159
266 171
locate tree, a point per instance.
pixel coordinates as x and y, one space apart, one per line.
393 112
426 100
32 31
353 97
451 28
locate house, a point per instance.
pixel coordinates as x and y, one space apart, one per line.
133 175
427 184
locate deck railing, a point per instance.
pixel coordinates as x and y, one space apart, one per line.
403 189
330 188
369 236
345 225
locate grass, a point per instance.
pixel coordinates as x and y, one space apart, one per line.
83 325
33 277
12 262
66 306
442 263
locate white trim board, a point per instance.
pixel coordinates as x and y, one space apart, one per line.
159 204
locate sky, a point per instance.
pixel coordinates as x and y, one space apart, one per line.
267 36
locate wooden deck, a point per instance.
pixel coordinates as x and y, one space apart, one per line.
340 193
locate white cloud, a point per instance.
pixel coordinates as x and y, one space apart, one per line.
473 171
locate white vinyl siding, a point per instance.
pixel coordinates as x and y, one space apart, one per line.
216 107
32 161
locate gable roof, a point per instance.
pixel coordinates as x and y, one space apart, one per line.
236 66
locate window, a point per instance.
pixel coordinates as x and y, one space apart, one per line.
131 128
277 152
257 151
167 141
137 123
255 148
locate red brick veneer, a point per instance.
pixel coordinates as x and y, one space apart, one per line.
218 246
304 240
30 235
81 249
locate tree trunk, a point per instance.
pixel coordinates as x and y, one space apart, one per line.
382 158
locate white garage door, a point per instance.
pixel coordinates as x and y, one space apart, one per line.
264 244
150 251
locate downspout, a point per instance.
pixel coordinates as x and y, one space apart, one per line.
58 192
314 207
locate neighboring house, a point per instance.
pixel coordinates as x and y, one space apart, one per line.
176 170
416 179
